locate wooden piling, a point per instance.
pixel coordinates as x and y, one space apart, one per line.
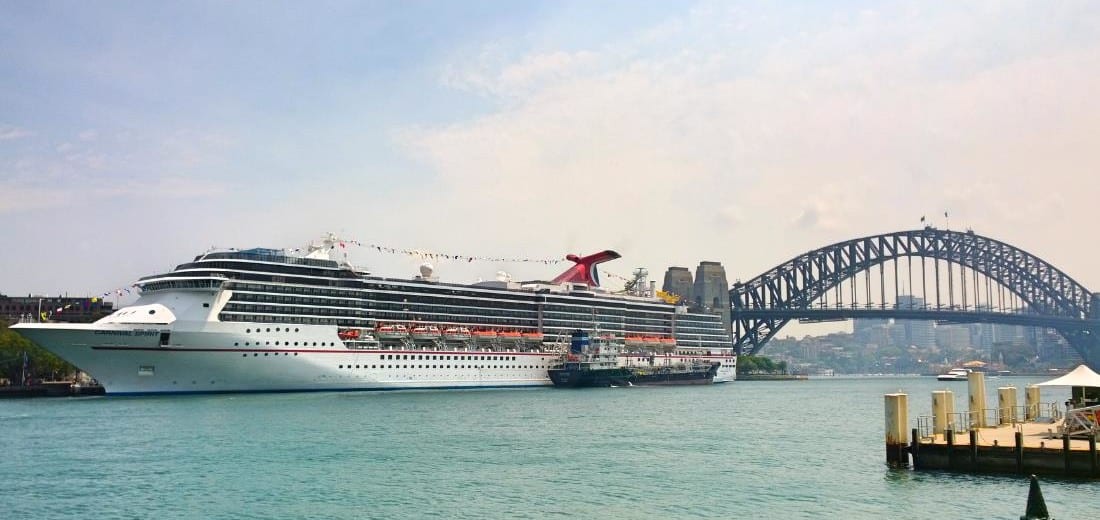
976 387
1019 437
1031 398
897 429
973 449
1006 404
1065 453
940 413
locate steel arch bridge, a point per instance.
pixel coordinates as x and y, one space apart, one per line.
1038 294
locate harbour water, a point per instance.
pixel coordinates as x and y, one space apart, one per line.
794 449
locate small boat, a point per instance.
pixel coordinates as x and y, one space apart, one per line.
651 341
393 332
426 332
456 334
668 342
510 334
955 374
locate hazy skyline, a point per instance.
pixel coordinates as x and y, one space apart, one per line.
135 135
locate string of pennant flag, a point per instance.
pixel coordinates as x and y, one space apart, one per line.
435 255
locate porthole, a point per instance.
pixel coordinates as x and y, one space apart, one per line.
248 330
254 354
265 354
269 329
295 329
341 366
151 311
244 355
295 353
235 344
295 343
276 343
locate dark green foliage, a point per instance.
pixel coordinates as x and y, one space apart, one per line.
760 365
42 363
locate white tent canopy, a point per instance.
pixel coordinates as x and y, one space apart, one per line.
1080 376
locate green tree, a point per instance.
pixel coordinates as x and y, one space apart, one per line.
42 363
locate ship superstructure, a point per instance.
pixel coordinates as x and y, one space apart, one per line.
272 319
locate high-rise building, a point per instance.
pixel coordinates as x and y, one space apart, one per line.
920 333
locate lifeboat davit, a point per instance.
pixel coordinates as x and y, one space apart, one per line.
533 337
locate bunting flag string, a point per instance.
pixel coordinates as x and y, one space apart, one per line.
433 255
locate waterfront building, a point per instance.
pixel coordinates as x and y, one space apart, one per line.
80 309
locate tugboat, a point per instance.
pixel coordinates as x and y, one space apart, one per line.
594 362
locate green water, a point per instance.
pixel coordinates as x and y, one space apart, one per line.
809 449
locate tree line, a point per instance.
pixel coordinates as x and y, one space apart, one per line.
41 363
760 365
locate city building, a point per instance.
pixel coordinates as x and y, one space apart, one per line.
53 308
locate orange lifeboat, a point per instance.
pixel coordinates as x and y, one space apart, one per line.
634 340
426 332
485 335
456 333
393 332
348 334
510 334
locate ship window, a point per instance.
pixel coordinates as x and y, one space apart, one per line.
248 330
206 305
244 355
269 330
341 366
254 354
295 353
235 344
374 366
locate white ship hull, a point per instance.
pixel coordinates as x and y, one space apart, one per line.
213 358
205 357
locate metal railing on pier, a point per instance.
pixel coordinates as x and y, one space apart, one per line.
962 422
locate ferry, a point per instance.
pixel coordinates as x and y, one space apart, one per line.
261 320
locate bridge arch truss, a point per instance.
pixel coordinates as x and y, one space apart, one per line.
763 305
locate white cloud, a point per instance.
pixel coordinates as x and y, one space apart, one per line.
853 124
9 132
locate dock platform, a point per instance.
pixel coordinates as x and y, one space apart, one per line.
1029 447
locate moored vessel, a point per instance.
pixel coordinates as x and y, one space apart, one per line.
594 362
291 320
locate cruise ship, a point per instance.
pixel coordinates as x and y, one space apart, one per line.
267 320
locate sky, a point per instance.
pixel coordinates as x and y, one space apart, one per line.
135 135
